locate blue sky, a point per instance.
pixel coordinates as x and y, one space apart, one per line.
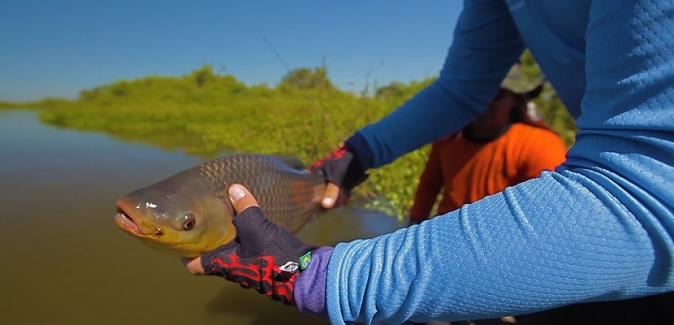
57 48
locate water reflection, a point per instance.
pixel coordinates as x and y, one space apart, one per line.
65 262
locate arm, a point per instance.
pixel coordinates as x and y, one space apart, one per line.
430 183
486 44
599 228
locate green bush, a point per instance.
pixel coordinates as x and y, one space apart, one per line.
305 115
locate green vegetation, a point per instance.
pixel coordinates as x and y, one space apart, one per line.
304 115
48 102
10 105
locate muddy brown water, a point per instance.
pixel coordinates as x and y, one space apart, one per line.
65 262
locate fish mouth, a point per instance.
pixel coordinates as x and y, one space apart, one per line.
127 223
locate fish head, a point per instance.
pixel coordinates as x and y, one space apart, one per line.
181 216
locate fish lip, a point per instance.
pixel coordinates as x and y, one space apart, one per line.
126 222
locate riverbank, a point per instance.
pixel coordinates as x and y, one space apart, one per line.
304 115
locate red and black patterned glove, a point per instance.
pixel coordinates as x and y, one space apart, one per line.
342 168
264 256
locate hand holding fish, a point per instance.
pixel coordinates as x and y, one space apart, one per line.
264 256
343 171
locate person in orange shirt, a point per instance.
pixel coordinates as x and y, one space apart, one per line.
504 146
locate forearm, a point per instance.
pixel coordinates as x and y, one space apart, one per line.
486 44
507 254
599 228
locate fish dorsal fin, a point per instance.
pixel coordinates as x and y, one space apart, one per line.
291 161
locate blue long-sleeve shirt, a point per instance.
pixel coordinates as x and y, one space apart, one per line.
600 227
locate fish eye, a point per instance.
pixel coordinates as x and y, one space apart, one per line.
190 221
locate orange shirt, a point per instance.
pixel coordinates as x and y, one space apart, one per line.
469 171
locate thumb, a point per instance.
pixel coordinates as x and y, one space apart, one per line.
254 231
241 198
330 196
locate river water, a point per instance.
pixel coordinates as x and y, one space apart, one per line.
64 261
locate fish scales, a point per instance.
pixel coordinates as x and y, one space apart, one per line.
287 196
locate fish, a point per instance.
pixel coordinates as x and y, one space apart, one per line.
190 213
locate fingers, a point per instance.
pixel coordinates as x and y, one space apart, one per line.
330 196
241 198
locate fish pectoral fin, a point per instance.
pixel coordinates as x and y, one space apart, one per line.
291 161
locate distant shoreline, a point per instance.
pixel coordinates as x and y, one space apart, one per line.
305 115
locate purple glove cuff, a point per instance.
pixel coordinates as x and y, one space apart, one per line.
310 285
361 150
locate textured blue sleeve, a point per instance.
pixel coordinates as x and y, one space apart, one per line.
464 87
598 228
